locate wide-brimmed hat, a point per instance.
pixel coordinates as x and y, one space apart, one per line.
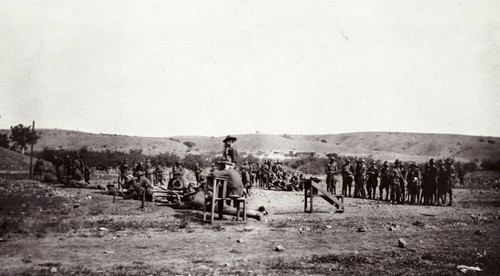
397 162
224 162
413 164
449 160
229 138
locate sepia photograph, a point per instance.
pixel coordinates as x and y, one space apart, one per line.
188 137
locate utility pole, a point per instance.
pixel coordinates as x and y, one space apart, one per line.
31 153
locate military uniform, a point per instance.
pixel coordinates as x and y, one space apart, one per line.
229 154
372 181
347 178
385 181
395 181
446 177
402 183
360 180
413 179
197 172
331 170
177 181
431 176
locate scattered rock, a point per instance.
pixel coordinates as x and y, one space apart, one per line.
239 240
479 233
328 227
77 205
226 264
362 229
418 223
392 228
109 252
279 248
103 229
465 269
53 270
402 243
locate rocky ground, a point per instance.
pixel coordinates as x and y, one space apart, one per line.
51 230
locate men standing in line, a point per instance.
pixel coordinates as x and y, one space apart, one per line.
331 170
385 181
431 182
413 179
360 179
402 183
347 177
446 177
372 180
395 182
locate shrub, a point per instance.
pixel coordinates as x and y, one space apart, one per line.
189 144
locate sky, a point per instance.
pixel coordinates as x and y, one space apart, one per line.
165 68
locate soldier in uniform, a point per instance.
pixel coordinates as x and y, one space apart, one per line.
385 181
446 177
177 180
158 175
372 180
37 171
413 179
331 170
197 172
360 179
123 170
229 153
86 173
67 166
395 182
245 177
147 169
402 183
57 165
431 183
347 177
78 167
266 175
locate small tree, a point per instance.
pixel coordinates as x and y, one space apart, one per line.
4 140
189 144
23 136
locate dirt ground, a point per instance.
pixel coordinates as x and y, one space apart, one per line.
51 230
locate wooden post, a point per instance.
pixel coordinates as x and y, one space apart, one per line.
31 154
305 197
143 199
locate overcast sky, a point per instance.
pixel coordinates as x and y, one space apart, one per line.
163 68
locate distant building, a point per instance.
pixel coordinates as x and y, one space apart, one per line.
305 154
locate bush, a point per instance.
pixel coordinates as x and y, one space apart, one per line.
189 144
491 165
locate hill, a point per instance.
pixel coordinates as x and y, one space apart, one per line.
382 145
13 161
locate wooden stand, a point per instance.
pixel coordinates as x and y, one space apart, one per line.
311 188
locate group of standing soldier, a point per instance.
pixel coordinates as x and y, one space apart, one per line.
413 186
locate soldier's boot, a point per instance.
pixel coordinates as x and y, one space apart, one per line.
451 198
